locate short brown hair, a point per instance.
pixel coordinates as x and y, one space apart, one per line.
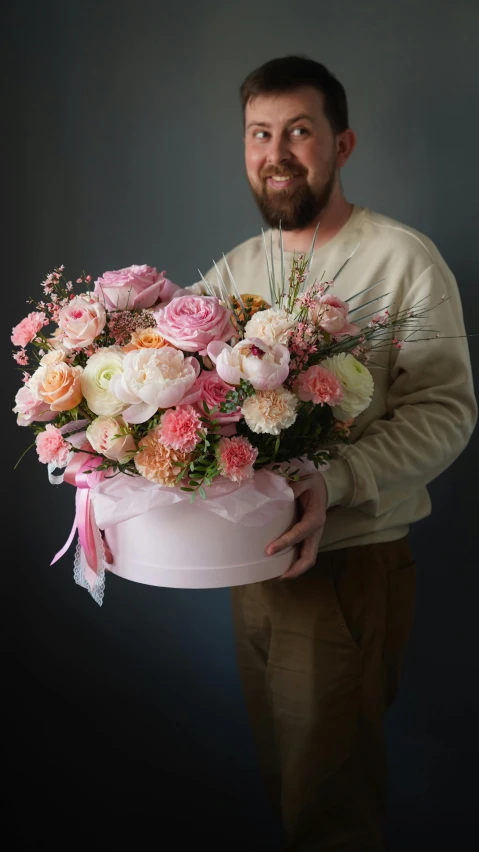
289 73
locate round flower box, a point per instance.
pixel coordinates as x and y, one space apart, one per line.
161 539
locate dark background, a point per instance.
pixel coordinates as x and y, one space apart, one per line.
122 141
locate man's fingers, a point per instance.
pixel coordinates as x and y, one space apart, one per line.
303 529
307 559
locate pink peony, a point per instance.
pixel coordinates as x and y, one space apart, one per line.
212 389
192 322
52 447
81 321
266 367
236 457
331 314
320 386
30 409
134 287
179 428
28 328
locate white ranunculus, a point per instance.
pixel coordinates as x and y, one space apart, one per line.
100 369
357 382
271 326
103 433
153 379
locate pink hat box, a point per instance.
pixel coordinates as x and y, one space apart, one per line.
188 546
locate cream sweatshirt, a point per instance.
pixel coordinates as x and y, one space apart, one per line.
423 409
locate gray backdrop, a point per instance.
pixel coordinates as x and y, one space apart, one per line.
123 145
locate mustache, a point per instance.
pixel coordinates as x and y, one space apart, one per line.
277 171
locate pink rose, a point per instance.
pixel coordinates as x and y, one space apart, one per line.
266 367
213 391
192 322
236 457
103 433
134 287
179 428
331 314
320 386
52 447
30 409
28 328
81 321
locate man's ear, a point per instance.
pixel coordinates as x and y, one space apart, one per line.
345 145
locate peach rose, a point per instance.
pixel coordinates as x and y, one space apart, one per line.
146 338
59 385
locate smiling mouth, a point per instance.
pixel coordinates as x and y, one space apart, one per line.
281 181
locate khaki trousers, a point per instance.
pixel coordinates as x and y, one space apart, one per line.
319 659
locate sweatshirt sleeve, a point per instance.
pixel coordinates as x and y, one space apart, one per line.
431 409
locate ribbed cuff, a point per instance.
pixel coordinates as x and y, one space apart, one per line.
339 483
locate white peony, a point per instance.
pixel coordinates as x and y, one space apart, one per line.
271 326
270 411
153 379
357 382
100 369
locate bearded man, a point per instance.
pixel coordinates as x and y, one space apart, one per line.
320 650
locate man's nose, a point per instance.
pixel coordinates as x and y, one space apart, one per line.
278 150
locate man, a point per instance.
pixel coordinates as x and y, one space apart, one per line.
320 650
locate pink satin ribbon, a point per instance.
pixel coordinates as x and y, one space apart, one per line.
75 474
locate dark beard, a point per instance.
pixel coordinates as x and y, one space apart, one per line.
295 211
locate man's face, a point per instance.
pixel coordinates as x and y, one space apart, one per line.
290 154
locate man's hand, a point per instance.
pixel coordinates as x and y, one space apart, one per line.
312 495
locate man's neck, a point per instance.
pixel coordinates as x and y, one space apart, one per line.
331 220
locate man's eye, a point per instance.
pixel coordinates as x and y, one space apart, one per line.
299 131
260 134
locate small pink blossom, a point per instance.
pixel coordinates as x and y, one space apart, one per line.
28 328
331 314
320 386
179 428
21 357
236 457
52 447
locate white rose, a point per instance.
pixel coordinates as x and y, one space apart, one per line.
153 379
102 434
270 411
270 325
357 382
100 369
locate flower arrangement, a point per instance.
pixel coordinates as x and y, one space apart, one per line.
181 389
145 395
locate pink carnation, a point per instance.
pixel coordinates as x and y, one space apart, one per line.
320 386
52 447
28 328
236 457
179 428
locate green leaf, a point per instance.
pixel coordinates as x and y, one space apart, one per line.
202 492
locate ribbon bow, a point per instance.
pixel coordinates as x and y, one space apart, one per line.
76 474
